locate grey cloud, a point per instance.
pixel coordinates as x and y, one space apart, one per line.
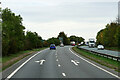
46 11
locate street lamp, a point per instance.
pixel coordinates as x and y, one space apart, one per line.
119 12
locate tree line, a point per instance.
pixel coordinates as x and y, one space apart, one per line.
13 35
110 35
14 38
76 39
67 40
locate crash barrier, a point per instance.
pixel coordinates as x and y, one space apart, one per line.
117 58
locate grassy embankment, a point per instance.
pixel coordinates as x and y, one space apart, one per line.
113 48
7 61
99 59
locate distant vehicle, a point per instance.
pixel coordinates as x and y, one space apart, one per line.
61 45
100 47
82 43
91 43
79 44
87 43
72 43
52 46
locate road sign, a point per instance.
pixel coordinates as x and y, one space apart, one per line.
61 39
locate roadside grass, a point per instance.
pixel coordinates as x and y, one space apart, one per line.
0 64
99 59
113 48
0 59
7 58
10 64
8 61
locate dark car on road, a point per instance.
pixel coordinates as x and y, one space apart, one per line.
52 46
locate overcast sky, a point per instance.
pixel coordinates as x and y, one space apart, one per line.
75 17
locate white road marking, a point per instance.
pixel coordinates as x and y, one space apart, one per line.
56 59
59 65
22 65
56 56
96 65
74 62
41 62
37 61
64 74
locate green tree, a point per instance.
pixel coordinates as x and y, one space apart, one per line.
12 32
66 40
73 38
99 37
53 40
76 39
33 40
109 35
117 36
45 44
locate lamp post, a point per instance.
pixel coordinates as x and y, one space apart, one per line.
119 12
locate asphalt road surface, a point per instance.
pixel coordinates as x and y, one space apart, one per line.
109 52
59 63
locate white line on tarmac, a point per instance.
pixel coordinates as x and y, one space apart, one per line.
56 56
22 65
59 65
41 62
96 65
64 74
74 62
56 59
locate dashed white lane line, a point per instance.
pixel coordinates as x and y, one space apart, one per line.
56 56
59 65
56 53
96 65
64 74
56 59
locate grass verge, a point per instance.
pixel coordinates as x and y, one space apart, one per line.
8 61
113 48
0 60
99 59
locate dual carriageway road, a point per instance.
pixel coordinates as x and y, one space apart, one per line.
59 63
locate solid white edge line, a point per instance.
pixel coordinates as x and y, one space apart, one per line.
96 65
64 74
22 65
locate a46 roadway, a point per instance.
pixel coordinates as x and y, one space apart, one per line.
60 63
